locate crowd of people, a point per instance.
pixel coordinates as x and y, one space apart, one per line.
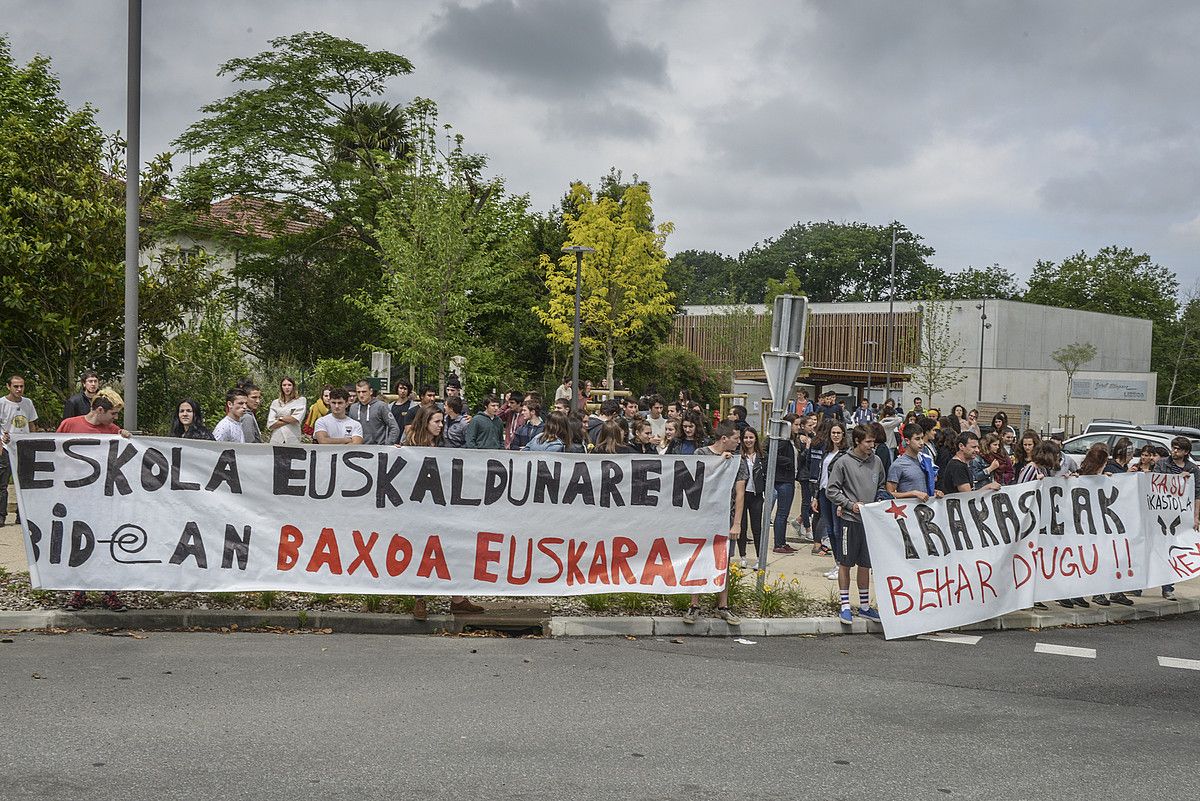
919 453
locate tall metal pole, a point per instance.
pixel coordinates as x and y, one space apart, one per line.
891 330
983 326
578 250
133 112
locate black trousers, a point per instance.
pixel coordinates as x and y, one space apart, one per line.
5 475
751 522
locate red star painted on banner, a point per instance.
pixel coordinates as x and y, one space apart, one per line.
897 511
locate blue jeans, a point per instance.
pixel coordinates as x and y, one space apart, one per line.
831 522
785 492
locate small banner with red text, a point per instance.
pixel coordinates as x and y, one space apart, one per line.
974 556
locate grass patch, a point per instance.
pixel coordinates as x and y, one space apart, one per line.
637 602
372 603
302 619
227 598
680 602
599 602
266 599
403 604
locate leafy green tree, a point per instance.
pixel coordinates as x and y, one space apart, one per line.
973 283
1070 358
624 287
940 348
1114 281
62 239
449 257
303 129
704 277
840 262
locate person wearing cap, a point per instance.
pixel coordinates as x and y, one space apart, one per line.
106 405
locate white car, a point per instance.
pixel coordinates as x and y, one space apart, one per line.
1078 446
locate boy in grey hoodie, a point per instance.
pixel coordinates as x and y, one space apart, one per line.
855 480
378 423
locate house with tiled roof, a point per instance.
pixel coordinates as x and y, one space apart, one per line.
219 232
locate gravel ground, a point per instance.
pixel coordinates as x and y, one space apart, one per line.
16 594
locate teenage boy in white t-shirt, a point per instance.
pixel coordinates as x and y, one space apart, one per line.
337 427
229 429
16 416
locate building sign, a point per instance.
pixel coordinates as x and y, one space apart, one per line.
1106 389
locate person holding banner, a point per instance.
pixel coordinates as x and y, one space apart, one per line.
1176 464
912 475
426 432
725 445
854 482
100 420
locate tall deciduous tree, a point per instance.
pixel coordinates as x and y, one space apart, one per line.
940 349
1070 358
62 226
450 255
624 287
305 129
973 283
840 261
1114 281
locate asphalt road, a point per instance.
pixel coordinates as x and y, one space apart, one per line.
268 716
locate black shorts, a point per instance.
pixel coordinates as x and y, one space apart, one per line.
854 545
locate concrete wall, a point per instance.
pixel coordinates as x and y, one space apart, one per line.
1017 366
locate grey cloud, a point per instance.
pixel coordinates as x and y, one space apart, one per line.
546 47
788 135
1158 183
602 119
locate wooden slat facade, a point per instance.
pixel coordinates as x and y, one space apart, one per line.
833 343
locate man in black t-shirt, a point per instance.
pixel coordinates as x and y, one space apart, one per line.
956 476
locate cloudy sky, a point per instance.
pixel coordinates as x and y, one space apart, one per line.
1002 131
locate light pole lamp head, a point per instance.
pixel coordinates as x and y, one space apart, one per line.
788 323
578 250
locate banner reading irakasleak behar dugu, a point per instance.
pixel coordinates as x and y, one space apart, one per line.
102 512
973 556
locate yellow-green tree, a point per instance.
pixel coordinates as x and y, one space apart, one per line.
623 283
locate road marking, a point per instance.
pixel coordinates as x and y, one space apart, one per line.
961 639
1064 650
1185 664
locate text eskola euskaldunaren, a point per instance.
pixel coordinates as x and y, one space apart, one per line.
392 476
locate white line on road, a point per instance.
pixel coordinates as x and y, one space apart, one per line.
945 636
1185 664
1064 650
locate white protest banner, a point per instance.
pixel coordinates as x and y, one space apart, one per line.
974 556
101 512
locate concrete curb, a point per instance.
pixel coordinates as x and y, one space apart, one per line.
656 626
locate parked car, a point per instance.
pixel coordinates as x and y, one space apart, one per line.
1140 437
1101 424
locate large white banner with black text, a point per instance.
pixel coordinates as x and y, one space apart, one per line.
103 512
971 557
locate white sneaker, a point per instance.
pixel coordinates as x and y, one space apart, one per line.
831 574
743 564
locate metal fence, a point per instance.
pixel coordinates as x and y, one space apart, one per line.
1179 416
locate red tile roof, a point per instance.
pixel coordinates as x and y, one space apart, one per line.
251 216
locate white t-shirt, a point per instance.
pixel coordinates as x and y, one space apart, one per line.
16 417
346 427
288 432
229 430
657 427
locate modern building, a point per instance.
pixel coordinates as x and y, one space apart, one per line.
997 353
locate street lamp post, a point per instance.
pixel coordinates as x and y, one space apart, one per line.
984 325
891 329
133 113
578 250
